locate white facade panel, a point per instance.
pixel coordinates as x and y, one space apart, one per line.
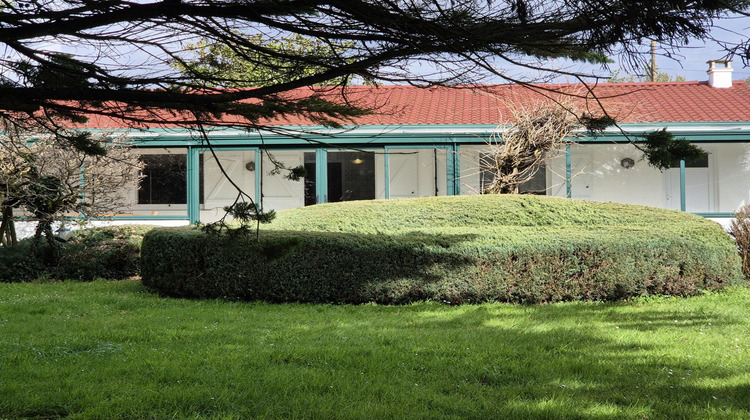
277 192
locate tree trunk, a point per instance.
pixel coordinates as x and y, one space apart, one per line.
8 228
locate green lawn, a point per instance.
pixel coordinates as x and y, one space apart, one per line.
113 350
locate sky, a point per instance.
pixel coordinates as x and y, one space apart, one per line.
688 61
692 58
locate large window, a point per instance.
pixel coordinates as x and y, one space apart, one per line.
165 179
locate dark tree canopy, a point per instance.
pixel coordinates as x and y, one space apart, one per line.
119 56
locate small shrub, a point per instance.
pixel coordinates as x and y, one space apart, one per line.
16 263
740 231
111 252
449 249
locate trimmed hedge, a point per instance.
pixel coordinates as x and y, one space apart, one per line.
111 253
450 249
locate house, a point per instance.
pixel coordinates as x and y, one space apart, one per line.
430 141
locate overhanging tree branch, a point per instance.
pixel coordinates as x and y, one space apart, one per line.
461 38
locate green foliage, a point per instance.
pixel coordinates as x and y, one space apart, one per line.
596 125
111 253
297 173
16 263
591 57
257 60
83 142
449 249
245 212
662 149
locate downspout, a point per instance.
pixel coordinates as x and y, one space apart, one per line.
387 174
436 171
683 195
260 182
568 172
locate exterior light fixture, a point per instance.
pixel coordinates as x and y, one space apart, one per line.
627 163
250 166
357 161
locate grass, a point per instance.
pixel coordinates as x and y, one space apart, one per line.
113 350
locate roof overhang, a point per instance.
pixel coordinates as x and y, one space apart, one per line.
378 136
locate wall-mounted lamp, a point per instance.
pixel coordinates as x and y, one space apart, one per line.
627 163
250 166
357 161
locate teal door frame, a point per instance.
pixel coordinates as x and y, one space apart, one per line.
453 171
193 177
193 185
321 175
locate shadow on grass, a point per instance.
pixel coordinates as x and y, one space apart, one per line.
595 361
188 359
559 361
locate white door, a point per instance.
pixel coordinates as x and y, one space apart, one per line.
582 178
218 191
278 192
404 176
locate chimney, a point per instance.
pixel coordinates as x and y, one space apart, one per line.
720 77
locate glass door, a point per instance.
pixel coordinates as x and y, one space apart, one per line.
347 176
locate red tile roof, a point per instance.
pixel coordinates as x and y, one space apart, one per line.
627 102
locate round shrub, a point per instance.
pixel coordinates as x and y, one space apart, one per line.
450 249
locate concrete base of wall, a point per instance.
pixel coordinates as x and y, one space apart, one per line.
27 229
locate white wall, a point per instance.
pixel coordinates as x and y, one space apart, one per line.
413 174
733 176
27 229
279 193
722 187
597 174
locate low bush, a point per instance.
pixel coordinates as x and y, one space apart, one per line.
450 249
111 252
740 231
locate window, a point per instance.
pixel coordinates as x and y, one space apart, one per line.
536 185
698 163
165 179
351 176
